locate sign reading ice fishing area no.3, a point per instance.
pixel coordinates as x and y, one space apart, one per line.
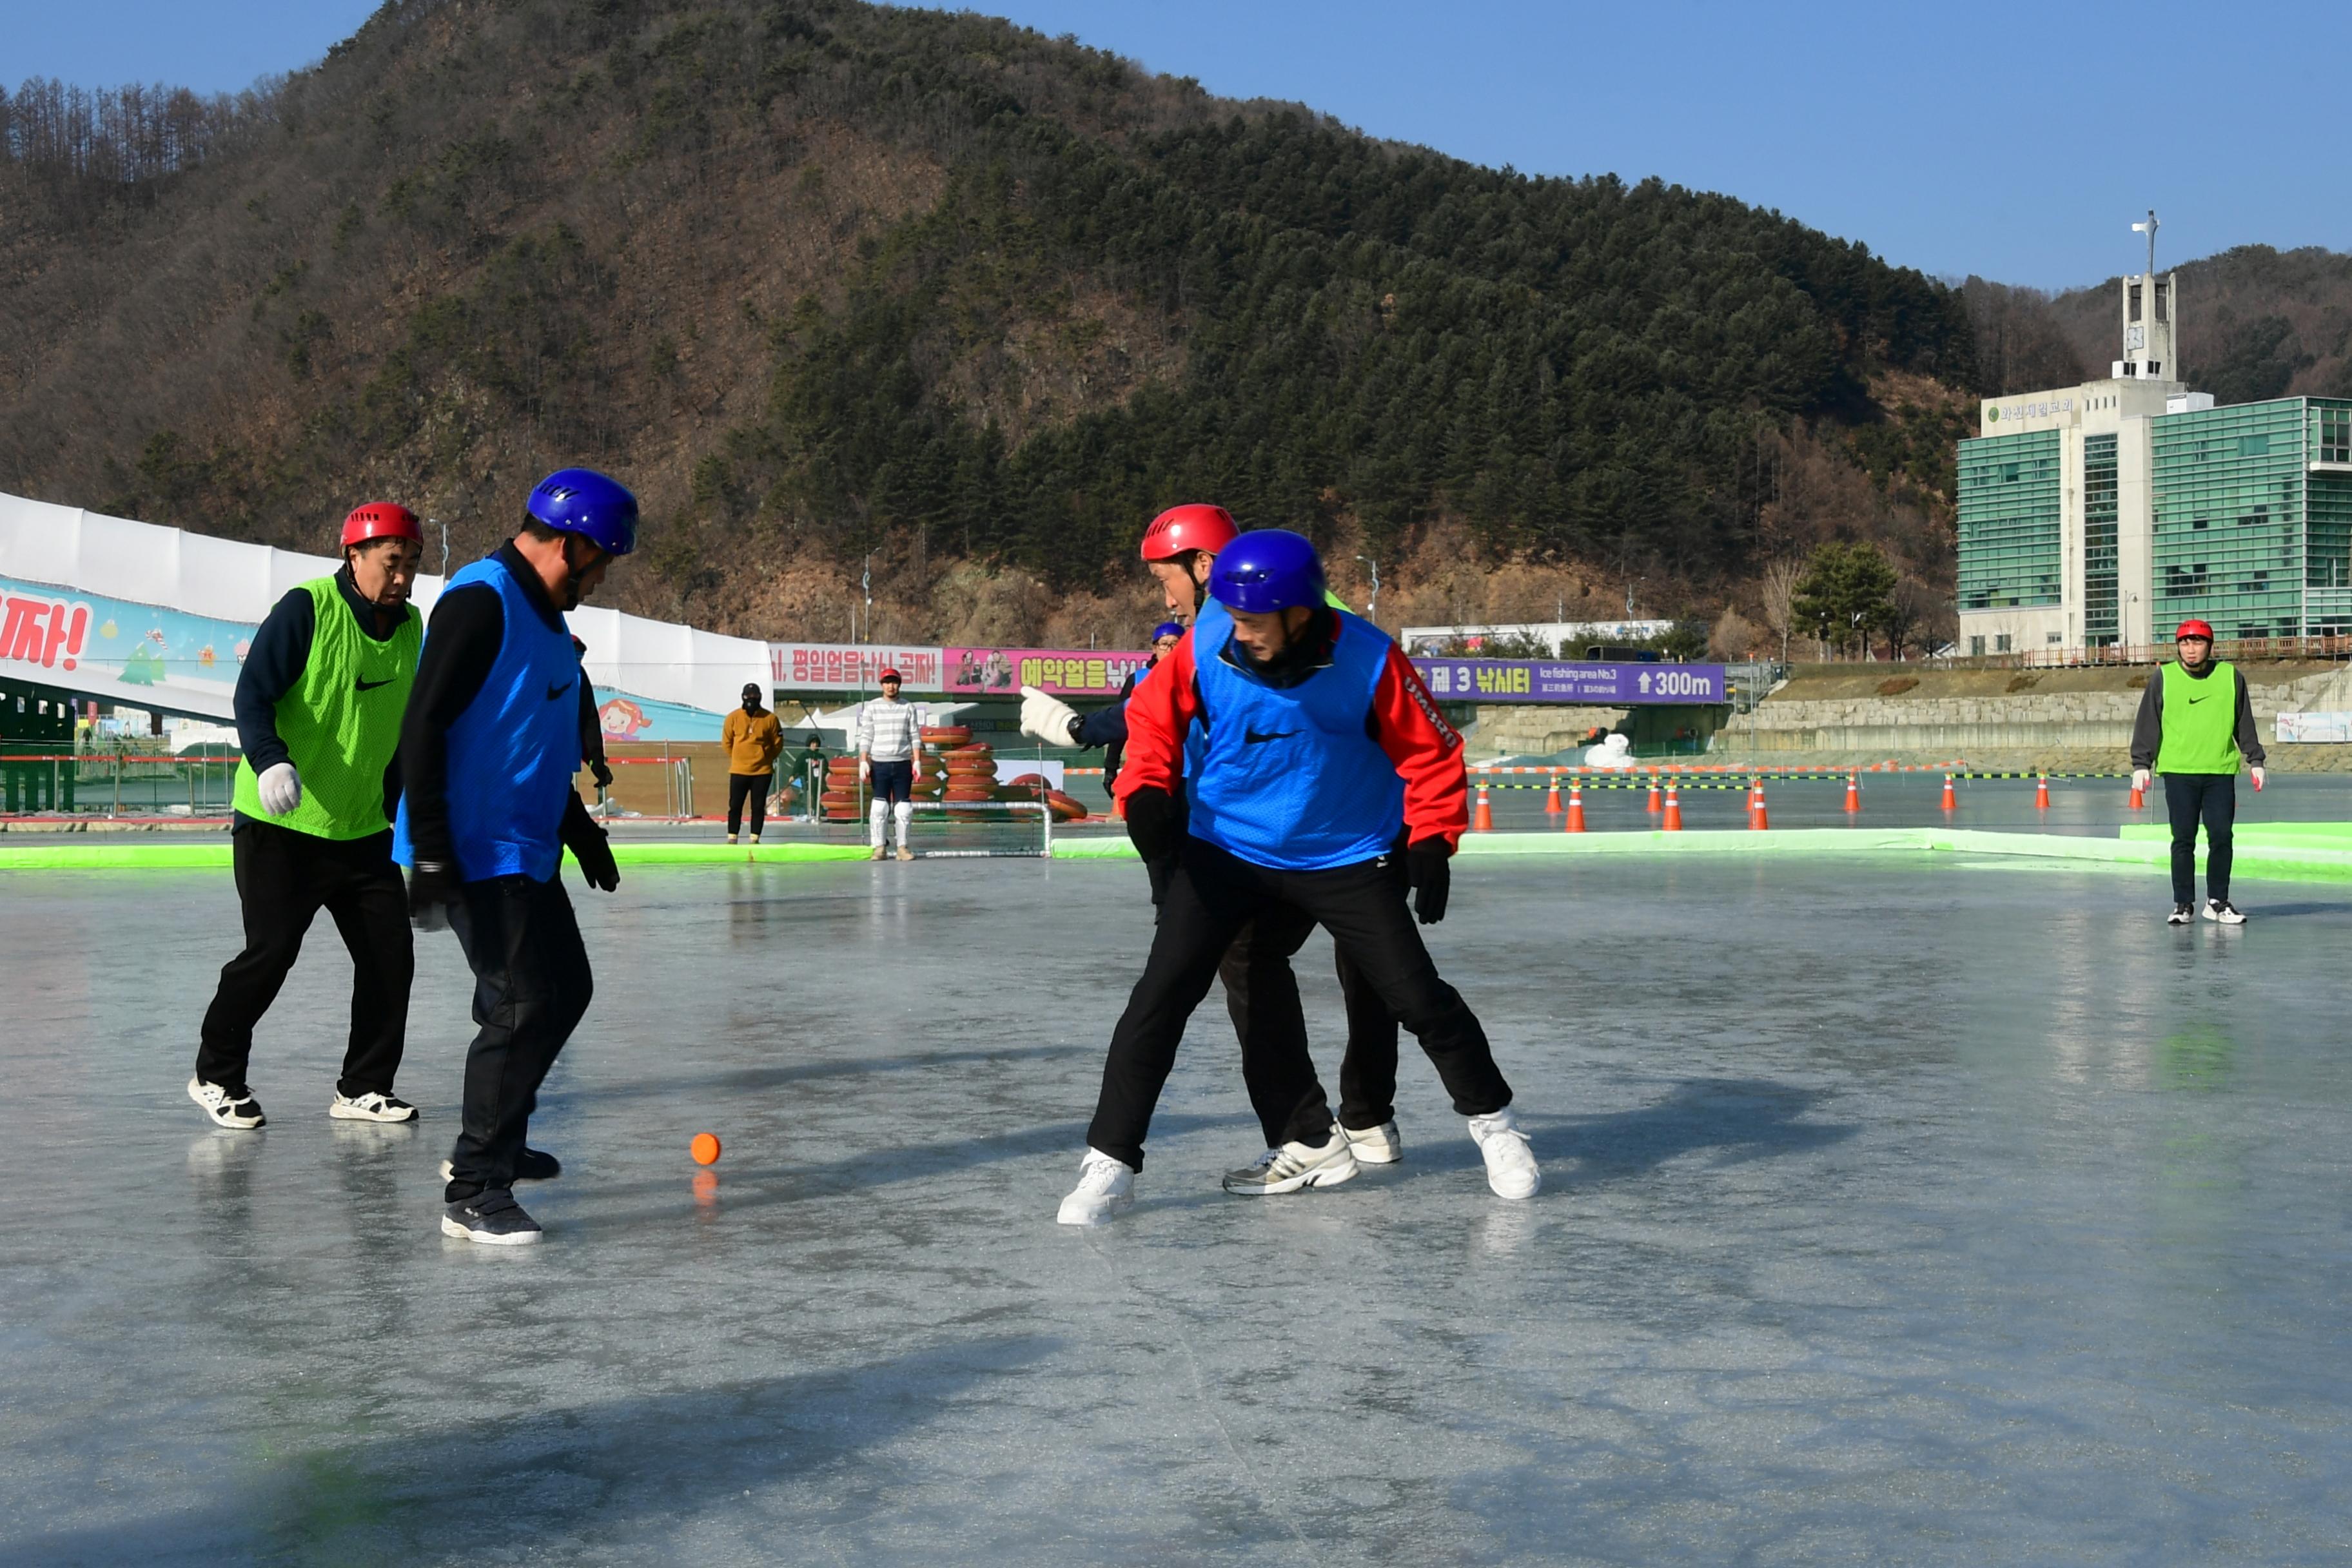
1544 680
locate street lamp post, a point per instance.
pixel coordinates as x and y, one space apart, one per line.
1372 606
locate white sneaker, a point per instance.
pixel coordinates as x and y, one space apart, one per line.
371 1107
226 1109
1375 1145
1295 1166
1511 1165
1105 1188
2223 910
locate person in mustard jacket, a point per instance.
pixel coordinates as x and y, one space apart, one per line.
754 740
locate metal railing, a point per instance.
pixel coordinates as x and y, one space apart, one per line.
2245 650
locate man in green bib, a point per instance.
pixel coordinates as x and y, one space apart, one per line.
2196 722
319 706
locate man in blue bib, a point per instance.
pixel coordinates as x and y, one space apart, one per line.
489 751
1322 779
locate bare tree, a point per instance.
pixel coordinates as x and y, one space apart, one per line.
1779 590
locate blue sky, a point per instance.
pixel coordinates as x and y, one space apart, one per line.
2004 139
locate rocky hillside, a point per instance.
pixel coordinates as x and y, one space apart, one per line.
846 290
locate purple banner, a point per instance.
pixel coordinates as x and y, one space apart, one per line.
1544 680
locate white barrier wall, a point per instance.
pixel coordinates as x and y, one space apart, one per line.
158 617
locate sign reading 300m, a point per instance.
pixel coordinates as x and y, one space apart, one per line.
1540 680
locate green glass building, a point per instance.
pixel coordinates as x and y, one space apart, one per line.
2110 512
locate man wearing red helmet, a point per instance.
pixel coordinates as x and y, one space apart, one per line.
1180 548
319 708
2196 724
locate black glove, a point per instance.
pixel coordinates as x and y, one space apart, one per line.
1429 867
1155 824
433 886
602 772
592 848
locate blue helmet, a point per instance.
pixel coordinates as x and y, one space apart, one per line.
1265 570
596 506
1166 630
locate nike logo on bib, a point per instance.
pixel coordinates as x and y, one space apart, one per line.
556 691
1253 738
367 685
2197 699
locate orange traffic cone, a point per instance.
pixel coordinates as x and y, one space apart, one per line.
2138 800
1951 800
1551 797
1484 821
1653 807
1575 806
2042 793
1758 818
1673 810
1853 791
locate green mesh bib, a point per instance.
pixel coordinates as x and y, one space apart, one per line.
341 721
2201 722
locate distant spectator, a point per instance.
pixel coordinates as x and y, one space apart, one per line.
889 743
812 768
753 740
2196 725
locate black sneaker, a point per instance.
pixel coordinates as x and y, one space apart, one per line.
535 1165
227 1107
2180 916
492 1216
2223 910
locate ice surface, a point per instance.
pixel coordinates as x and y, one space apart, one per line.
1894 1213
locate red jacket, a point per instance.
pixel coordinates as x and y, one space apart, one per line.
1404 718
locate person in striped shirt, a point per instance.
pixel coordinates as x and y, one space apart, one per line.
889 744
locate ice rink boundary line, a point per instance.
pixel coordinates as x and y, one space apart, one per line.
2290 861
2309 857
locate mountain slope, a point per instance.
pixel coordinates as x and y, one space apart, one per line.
829 282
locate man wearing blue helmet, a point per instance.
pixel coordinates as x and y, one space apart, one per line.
488 750
1324 781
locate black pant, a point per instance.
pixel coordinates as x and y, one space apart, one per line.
283 879
2212 798
1262 999
532 985
741 787
892 781
1209 898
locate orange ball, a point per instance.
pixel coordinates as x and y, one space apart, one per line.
705 1148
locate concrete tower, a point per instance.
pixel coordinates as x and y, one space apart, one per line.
2151 312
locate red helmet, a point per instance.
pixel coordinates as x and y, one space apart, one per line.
2193 628
1195 526
381 520
890 675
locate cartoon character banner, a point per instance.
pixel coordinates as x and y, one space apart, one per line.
139 655
1064 672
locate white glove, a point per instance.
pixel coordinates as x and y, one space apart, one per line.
864 770
2258 780
2140 780
1048 719
281 789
